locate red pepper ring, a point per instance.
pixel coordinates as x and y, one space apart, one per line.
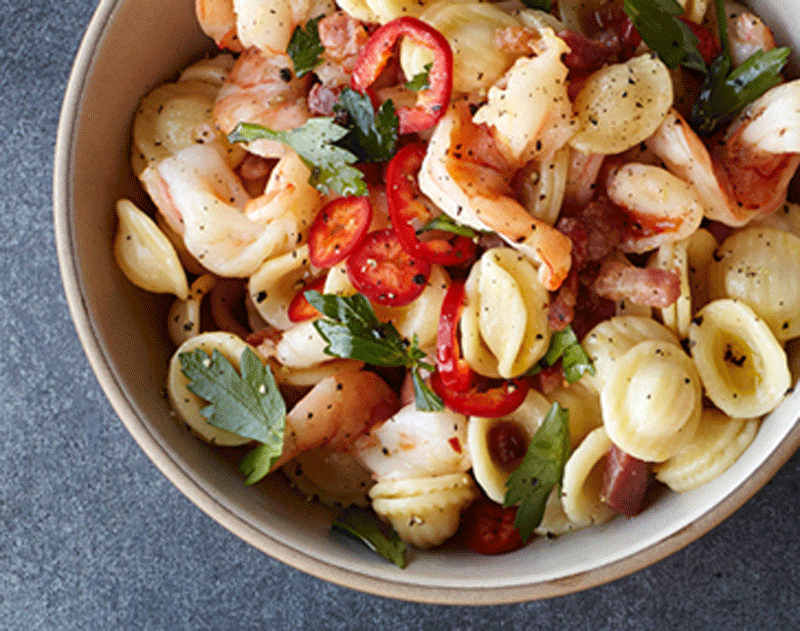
453 370
300 309
492 403
407 212
431 103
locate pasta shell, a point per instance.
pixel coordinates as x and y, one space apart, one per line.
717 444
335 478
742 365
675 256
174 116
554 520
491 475
651 401
187 405
622 104
388 10
183 320
359 9
425 512
760 266
275 284
470 28
700 250
145 254
583 481
583 403
611 339
213 70
504 328
543 185
786 218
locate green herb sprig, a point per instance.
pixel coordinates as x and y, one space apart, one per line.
575 361
372 134
658 24
249 404
364 526
305 47
530 484
315 143
726 91
352 330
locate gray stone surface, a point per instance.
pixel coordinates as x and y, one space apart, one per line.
92 536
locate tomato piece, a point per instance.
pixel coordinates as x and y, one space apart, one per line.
431 103
454 371
300 309
408 213
488 528
384 272
707 45
491 403
338 229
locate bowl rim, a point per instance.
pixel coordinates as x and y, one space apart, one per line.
238 524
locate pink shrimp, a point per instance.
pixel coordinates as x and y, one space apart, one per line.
465 175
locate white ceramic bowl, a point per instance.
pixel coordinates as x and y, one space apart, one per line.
133 45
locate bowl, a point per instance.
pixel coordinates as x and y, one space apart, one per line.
130 47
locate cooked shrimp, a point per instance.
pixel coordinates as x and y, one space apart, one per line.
269 24
528 110
218 20
466 176
197 189
262 88
414 444
750 170
582 176
747 33
335 412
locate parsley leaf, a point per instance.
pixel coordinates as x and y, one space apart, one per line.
420 81
724 93
352 330
658 24
445 223
575 362
331 166
365 526
305 47
373 135
249 405
530 484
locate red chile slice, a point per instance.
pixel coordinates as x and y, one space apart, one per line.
624 482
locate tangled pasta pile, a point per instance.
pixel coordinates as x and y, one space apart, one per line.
473 264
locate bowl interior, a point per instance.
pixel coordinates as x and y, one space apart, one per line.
133 45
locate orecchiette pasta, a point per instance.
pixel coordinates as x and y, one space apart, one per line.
742 365
145 254
504 328
717 444
424 511
583 403
621 105
183 320
491 475
554 520
470 28
544 186
187 405
700 251
274 285
635 414
611 339
760 266
583 481
675 256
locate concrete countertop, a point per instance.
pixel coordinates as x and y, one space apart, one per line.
92 536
